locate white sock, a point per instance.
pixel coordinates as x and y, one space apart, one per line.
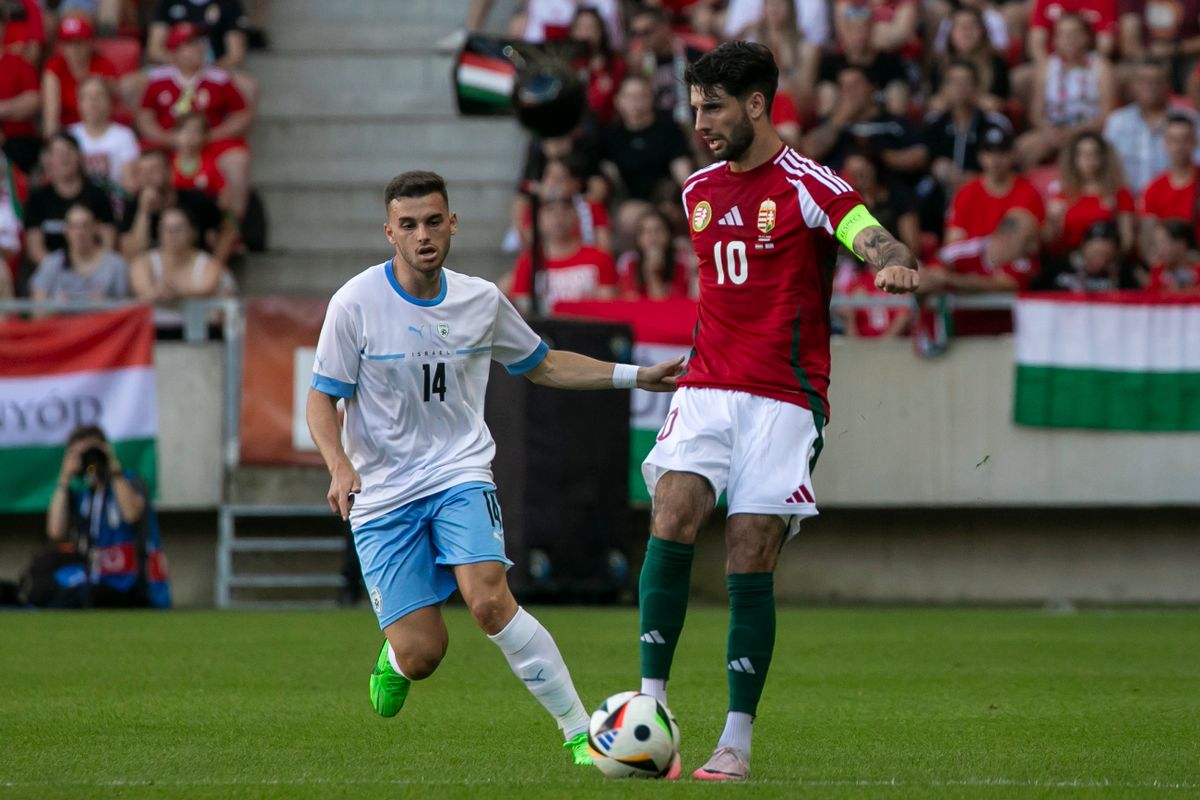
392 661
656 688
534 658
738 727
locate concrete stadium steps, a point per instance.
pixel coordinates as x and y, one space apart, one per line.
350 216
322 273
353 84
327 150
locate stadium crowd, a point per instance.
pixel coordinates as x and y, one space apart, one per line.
125 168
1029 144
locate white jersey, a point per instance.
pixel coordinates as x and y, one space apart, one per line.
105 157
413 374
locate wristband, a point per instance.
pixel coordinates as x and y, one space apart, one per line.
625 376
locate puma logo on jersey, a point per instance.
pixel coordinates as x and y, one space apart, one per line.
732 217
420 332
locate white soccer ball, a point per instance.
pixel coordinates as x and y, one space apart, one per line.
632 735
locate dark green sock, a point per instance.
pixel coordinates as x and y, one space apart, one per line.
751 637
662 601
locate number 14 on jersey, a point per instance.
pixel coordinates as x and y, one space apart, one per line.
734 262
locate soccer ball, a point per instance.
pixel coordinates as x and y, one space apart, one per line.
632 735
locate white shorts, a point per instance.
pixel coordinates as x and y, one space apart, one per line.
757 450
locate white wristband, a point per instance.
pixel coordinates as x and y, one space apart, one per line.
625 376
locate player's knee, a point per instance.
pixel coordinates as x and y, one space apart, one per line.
492 609
676 522
419 663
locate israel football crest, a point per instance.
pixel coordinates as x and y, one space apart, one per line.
701 216
376 600
766 216
443 330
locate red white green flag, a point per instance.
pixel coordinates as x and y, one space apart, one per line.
65 371
1118 361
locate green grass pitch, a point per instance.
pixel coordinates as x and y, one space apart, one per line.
860 704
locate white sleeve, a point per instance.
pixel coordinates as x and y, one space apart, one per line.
335 370
812 16
514 344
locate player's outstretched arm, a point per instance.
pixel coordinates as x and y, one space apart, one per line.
344 483
896 266
562 369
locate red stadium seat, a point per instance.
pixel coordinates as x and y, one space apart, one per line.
125 53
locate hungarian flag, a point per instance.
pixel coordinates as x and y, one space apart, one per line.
62 372
484 77
1118 361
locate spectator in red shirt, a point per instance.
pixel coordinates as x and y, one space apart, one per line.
991 235
20 101
1176 269
76 60
570 270
1172 195
187 86
191 167
25 33
1091 189
602 68
1100 15
564 177
654 269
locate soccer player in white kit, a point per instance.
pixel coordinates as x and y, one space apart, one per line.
407 346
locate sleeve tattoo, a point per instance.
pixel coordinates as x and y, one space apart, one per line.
880 249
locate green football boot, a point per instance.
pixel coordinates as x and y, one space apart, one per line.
578 746
389 689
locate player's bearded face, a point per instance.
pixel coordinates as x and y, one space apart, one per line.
420 228
723 123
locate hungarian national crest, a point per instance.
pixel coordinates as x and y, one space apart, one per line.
701 216
766 216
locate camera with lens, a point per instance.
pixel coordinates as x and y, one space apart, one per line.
93 463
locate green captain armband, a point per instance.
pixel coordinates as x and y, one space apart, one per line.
854 223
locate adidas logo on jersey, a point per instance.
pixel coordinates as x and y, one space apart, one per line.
653 637
742 665
732 217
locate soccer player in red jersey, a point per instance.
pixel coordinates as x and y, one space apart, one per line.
747 419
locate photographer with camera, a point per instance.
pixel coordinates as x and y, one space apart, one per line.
105 532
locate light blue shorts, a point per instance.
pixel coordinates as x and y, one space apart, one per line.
407 554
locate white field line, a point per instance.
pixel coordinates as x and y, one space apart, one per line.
1079 783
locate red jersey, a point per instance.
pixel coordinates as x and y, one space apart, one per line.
576 277
1100 14
210 92
206 177
69 85
764 241
1174 280
17 77
977 213
29 29
1164 200
1086 210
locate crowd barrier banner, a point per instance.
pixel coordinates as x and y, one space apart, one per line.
1116 361
661 330
281 340
61 372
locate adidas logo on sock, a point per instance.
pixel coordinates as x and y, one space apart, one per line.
732 217
742 665
653 637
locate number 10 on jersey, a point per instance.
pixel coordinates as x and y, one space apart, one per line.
735 260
